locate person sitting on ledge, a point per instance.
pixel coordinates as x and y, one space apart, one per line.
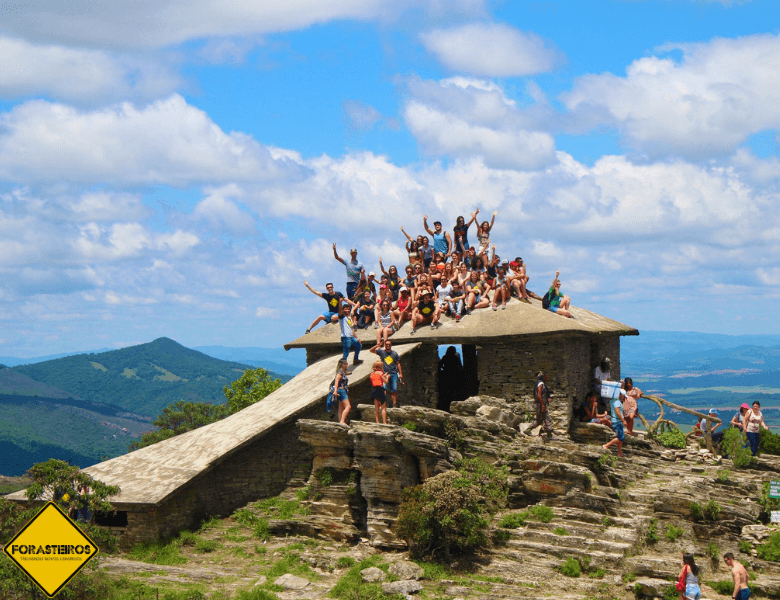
426 311
559 303
332 299
590 412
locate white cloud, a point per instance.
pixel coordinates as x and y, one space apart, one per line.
162 23
490 49
707 104
223 213
74 74
360 116
166 142
463 117
263 312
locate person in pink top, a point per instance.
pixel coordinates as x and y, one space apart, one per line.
630 406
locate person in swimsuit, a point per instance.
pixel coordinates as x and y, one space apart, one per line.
413 249
740 575
379 380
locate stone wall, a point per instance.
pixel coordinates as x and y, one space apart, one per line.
261 469
508 369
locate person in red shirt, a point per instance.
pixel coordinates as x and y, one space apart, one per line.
379 380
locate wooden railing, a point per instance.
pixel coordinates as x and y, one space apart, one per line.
661 424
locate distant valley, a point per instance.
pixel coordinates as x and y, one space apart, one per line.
87 407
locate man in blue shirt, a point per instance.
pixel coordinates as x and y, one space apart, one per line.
355 271
442 243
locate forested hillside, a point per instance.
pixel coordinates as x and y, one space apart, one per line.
142 379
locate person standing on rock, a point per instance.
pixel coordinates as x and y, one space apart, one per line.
349 340
542 397
340 387
391 363
754 421
618 424
355 271
378 382
740 575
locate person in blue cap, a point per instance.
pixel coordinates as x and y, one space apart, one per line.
704 425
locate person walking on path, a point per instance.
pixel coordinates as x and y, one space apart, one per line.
740 575
340 386
391 363
355 271
618 424
754 421
689 575
542 397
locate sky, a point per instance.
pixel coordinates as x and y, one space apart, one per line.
180 172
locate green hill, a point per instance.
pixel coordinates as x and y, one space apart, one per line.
141 379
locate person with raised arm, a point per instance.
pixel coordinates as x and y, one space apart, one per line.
355 271
461 232
441 239
558 302
413 250
518 279
483 233
393 280
349 340
333 299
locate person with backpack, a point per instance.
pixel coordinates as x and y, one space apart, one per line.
542 402
555 301
340 384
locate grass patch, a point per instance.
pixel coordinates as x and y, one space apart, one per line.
245 517
352 587
571 568
345 562
651 537
303 493
673 532
291 563
745 547
433 571
205 546
257 594
560 531
770 550
262 530
326 478
159 552
542 512
514 520
210 523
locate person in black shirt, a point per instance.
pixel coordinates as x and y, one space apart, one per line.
426 311
332 299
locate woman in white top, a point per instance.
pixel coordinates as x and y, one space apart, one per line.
754 421
386 323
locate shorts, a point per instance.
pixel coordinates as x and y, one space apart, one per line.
743 594
692 591
554 309
596 421
618 427
392 384
378 393
342 394
329 315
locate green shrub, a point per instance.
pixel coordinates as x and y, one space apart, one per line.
629 577
745 547
449 512
262 530
767 503
410 426
158 552
673 532
560 531
724 588
571 568
597 574
352 587
326 478
209 523
769 443
723 475
455 437
607 522
651 537
542 512
697 514
303 493
501 535
713 551
187 538
514 520
711 510
671 593
770 550
735 445
674 438
345 562
205 546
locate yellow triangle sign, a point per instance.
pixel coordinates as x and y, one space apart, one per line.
50 549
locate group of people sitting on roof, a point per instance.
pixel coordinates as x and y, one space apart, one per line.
449 277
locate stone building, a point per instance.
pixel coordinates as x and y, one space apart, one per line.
257 452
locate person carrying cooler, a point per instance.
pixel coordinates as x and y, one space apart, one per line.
379 380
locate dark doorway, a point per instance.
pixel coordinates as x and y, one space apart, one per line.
451 379
470 371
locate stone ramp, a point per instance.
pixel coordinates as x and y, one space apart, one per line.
150 475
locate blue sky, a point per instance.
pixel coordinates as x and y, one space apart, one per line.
180 173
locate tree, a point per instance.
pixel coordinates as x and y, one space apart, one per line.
251 387
69 487
181 417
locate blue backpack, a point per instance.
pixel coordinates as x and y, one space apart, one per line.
330 401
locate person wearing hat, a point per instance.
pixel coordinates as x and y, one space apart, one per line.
704 426
355 271
425 312
442 243
738 420
403 310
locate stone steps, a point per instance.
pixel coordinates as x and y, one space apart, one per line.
602 554
586 530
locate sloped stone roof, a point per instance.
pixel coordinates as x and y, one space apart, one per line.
519 319
151 474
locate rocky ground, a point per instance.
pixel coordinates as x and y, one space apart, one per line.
624 521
